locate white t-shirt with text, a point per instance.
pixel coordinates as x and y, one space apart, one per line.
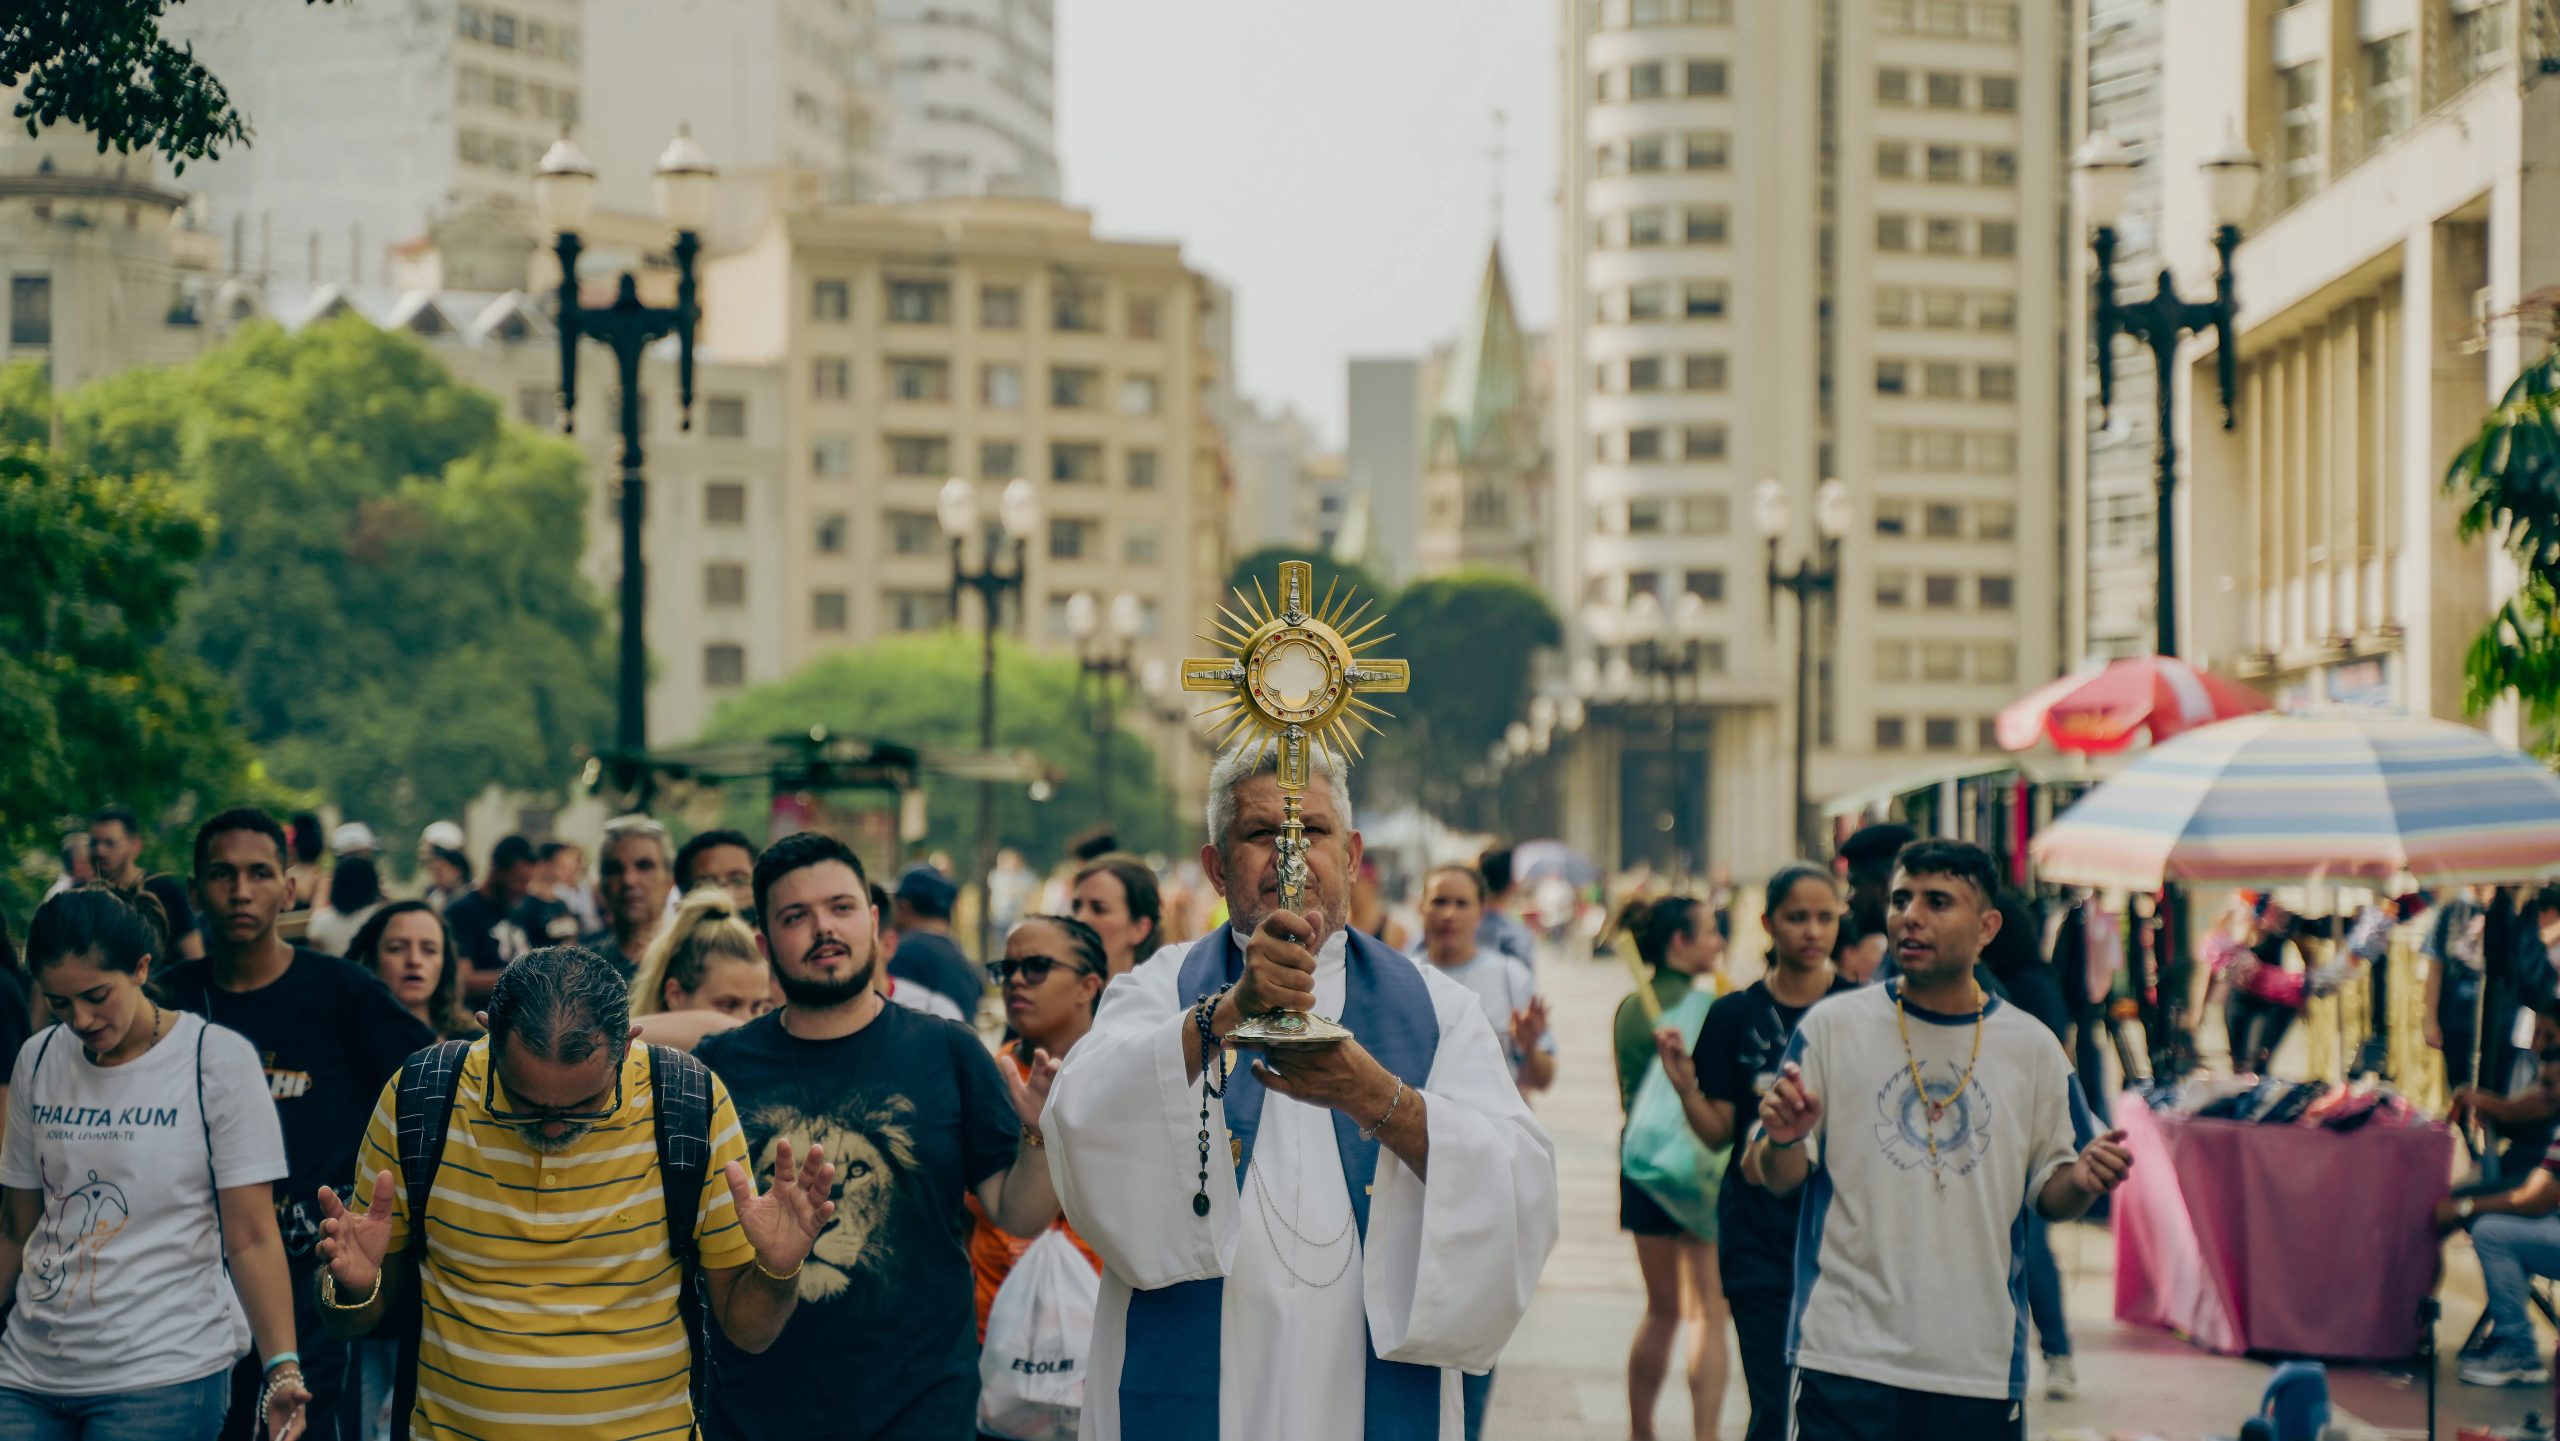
123 1286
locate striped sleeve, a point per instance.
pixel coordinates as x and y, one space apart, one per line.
717 1234
378 1153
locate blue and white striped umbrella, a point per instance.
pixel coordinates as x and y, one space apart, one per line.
2341 797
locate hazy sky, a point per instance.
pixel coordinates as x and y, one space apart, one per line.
1329 159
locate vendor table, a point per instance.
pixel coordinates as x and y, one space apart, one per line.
2287 1239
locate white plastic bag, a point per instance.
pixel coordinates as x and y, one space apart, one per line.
1039 1337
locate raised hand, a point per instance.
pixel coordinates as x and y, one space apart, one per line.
1279 966
783 1223
1529 1025
2102 1167
354 1245
1677 1062
1790 1111
1030 1091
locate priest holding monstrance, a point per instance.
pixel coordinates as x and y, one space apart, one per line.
1315 1189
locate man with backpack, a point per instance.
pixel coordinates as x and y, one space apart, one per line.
567 1203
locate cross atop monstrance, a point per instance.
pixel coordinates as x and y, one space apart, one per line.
1297 680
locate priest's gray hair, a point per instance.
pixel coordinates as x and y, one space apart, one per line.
1240 762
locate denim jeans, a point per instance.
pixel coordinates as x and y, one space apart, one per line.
187 1411
2512 1250
2044 1288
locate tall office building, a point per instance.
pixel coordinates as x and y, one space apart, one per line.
372 121
1803 241
975 83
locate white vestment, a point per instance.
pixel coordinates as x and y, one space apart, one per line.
1446 1272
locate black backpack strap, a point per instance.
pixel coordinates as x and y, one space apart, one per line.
422 1113
680 1095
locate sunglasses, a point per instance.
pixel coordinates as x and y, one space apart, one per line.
1033 971
543 1118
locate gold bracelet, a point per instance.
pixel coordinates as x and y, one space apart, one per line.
792 1275
329 1292
1031 1137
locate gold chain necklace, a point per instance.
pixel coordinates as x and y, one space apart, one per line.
1938 1108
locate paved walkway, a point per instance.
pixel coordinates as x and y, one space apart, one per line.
1564 1375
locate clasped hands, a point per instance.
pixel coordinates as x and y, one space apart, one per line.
1280 975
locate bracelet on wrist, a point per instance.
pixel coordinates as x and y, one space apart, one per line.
772 1275
281 1358
1775 1145
329 1292
1370 1132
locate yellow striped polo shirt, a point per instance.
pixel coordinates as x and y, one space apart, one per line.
550 1292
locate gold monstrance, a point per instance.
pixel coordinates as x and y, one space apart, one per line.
1295 681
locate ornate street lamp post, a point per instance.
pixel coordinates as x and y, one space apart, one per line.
2164 321
1099 667
564 194
1808 581
1018 515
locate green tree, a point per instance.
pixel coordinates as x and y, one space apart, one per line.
98 702
2508 480
104 65
1473 639
1264 565
394 592
922 691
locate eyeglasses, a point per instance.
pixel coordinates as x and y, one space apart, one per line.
1032 971
544 1118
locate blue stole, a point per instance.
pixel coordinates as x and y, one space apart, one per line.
1169 1370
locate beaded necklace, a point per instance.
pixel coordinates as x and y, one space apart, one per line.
1938 1108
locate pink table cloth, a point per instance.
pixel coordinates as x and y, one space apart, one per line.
2287 1239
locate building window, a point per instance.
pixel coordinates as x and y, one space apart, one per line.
1142 469
999 459
2478 39
502 30
1644 154
1071 539
1145 317
2386 90
1644 82
1996 382
914 610
919 455
1708 77
1644 443
1073 387
830 378
1946 164
724 665
1999 238
913 532
1075 305
1706 585
1893 377
1705 224
1994 311
1999 166
1893 233
1703 372
1939 592
1705 515
1942 309
1996 592
1946 237
2299 88
1893 589
1705 299
1702 442
1940 733
1000 307
1893 660
1893 87
1942 450
471 21
1141 545
831 456
1139 395
1647 227
1000 387
1644 372
1709 150
1893 517
724 583
1995 662
1942 522
1942 380
828 610
1076 464
1995 520
1946 90
830 300
1999 93
1941 660
829 537
919 379
919 302
1889 733
724 417
1648 302
1644 515
1893 160
724 502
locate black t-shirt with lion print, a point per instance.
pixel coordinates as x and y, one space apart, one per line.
884 1345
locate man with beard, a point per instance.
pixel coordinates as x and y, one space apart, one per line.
920 1117
1320 1244
329 1035
549 1281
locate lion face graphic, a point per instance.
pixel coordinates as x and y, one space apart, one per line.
873 1152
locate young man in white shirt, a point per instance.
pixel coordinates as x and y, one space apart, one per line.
1921 1118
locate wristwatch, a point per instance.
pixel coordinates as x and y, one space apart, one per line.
2464 1207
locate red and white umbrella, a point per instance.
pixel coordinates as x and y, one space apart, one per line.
2103 711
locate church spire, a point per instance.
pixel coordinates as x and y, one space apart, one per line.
1488 375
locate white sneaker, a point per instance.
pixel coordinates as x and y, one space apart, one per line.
2061 1379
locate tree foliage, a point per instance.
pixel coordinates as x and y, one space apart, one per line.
1473 638
2508 480
97 701
394 592
922 691
104 65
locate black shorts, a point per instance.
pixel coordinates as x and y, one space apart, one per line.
1825 1407
1641 1214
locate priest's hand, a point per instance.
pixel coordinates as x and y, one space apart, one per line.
1342 1077
1279 970
783 1223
